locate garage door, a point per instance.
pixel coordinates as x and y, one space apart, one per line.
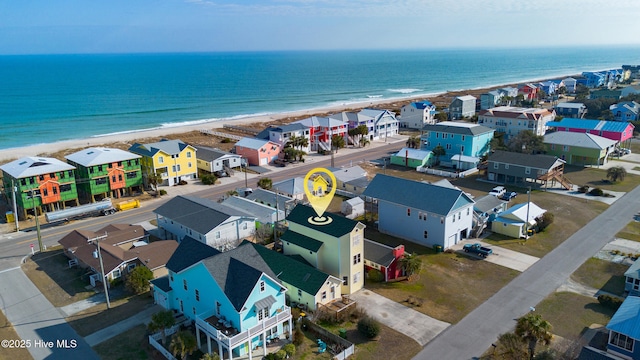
263 161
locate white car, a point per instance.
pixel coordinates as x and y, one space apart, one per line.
498 191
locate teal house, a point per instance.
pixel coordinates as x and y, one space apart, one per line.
234 298
464 143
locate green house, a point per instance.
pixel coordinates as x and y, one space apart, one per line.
579 148
411 157
39 184
106 173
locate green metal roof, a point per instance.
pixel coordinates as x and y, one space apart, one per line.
302 240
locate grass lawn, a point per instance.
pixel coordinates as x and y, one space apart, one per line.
99 317
601 274
630 232
441 283
132 344
8 333
594 178
637 168
50 273
571 214
571 314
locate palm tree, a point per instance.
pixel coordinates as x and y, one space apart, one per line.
154 180
437 152
353 133
302 142
210 356
616 172
532 328
337 142
364 141
160 321
362 131
413 142
183 344
265 183
510 347
410 264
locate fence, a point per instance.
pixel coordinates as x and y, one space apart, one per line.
334 342
221 134
443 173
241 129
153 341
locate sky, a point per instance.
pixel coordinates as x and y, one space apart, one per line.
134 26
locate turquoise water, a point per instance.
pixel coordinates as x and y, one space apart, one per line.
48 98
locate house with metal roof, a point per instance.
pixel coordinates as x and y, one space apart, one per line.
507 167
321 129
213 160
204 220
570 110
171 160
464 143
579 148
293 188
512 222
462 107
529 91
264 214
417 114
490 99
624 330
258 152
272 199
614 130
106 173
510 120
412 158
234 298
383 258
332 244
422 213
625 111
305 284
632 279
39 184
283 134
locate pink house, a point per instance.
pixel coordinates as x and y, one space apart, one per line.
383 258
257 151
615 130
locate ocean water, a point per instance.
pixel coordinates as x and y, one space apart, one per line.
49 98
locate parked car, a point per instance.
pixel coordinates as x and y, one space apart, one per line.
498 191
508 195
477 249
279 162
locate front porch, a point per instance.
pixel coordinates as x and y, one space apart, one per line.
231 340
336 309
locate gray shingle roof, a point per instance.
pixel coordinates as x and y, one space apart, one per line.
339 226
268 198
544 162
378 253
211 154
171 147
303 241
418 195
189 252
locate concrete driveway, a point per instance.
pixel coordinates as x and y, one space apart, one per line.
415 325
501 256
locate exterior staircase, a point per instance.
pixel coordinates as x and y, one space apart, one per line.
557 176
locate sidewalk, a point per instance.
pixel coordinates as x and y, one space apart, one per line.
143 317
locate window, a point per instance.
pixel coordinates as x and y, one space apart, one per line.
99 167
442 220
345 280
262 286
506 166
101 181
160 159
419 216
70 172
620 340
188 154
448 146
113 178
23 182
181 306
244 226
461 148
495 165
119 177
527 170
189 164
116 274
132 175
454 218
463 140
408 212
445 135
324 295
61 174
299 293
218 305
193 309
131 267
459 215
217 234
184 284
65 187
437 135
565 148
197 295
426 234
356 259
41 177
45 192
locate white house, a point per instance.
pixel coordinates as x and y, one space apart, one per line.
385 123
570 84
417 114
282 134
512 120
511 222
212 160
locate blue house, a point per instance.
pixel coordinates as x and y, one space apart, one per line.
548 87
624 330
490 99
234 298
422 213
625 111
464 143
571 110
594 79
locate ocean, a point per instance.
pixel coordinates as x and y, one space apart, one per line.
49 98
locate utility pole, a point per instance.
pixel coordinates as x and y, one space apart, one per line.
15 206
526 225
246 184
104 281
35 212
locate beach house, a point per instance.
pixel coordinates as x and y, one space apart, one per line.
462 107
39 184
571 110
510 120
624 332
106 173
213 160
490 99
580 149
464 143
528 91
615 130
417 114
419 212
381 124
625 111
258 152
171 161
321 129
284 134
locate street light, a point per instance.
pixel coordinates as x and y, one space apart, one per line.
35 212
99 255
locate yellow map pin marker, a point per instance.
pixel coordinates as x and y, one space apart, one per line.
320 186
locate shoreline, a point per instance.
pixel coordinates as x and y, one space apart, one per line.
131 136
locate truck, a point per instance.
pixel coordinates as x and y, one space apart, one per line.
104 207
498 191
477 249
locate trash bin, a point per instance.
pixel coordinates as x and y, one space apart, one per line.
437 248
343 333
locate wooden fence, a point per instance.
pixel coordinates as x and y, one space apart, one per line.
344 347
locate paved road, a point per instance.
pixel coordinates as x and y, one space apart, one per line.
474 334
36 320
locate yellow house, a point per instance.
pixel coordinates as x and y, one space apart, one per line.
336 248
172 160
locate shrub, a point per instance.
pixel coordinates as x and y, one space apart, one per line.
138 279
290 349
368 327
583 189
225 140
545 220
163 192
183 182
208 179
596 192
298 336
611 302
375 275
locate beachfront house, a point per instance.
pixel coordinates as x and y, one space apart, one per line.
571 110
464 143
234 298
211 160
335 246
204 220
580 149
549 87
594 79
507 167
615 130
257 152
321 129
528 91
39 184
490 99
508 92
462 107
106 173
171 161
411 158
570 84
426 214
380 123
624 332
283 134
417 114
510 120
511 222
625 111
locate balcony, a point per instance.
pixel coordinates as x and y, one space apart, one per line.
229 336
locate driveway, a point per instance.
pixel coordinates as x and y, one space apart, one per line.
407 321
501 256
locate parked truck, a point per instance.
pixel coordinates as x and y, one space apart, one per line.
477 249
104 207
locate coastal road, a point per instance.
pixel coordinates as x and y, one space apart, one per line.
475 333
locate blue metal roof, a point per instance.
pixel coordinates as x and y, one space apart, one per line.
590 124
627 319
421 104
